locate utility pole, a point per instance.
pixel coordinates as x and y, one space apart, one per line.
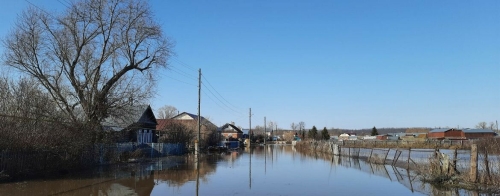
197 143
250 129
265 131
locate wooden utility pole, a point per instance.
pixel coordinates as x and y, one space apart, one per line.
250 129
473 163
197 144
265 131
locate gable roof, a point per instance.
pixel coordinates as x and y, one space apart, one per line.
189 116
439 130
130 117
230 128
163 123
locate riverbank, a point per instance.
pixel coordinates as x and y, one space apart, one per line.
424 162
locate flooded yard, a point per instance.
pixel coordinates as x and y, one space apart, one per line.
262 170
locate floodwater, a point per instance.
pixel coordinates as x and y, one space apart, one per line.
264 170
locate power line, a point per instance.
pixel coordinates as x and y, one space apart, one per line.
218 92
190 84
219 99
219 104
179 71
183 64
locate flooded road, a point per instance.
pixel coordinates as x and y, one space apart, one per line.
264 170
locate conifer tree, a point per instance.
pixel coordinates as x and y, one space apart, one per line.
313 133
324 134
374 131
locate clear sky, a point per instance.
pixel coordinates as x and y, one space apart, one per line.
342 64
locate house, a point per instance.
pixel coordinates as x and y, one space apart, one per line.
230 132
344 136
453 134
191 122
137 124
478 133
394 136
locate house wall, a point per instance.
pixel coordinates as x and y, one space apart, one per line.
454 133
436 135
479 135
233 135
381 137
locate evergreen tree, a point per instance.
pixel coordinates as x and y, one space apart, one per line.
324 134
313 133
374 131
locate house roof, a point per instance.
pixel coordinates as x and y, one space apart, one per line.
126 117
163 123
438 130
230 128
417 130
478 131
189 116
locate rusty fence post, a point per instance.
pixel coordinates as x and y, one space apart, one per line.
473 163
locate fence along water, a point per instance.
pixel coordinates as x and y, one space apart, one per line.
475 166
25 163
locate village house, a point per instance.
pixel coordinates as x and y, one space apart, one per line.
230 132
190 121
138 124
344 136
478 133
456 134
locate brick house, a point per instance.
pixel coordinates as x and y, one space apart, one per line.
440 134
478 133
230 132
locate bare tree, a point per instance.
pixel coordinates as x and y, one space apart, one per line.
96 57
302 125
294 127
492 126
167 112
482 125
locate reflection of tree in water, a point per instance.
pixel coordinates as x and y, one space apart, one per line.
178 176
129 179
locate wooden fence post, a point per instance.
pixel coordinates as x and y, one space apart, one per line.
369 159
409 155
473 163
454 162
487 164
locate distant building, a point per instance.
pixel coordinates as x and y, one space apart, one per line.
344 136
456 134
230 132
478 133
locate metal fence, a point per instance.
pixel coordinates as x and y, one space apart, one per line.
19 163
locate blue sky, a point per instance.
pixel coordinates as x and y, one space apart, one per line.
342 64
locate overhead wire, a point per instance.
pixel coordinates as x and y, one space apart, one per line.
218 92
218 98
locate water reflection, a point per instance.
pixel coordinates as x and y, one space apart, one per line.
261 170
